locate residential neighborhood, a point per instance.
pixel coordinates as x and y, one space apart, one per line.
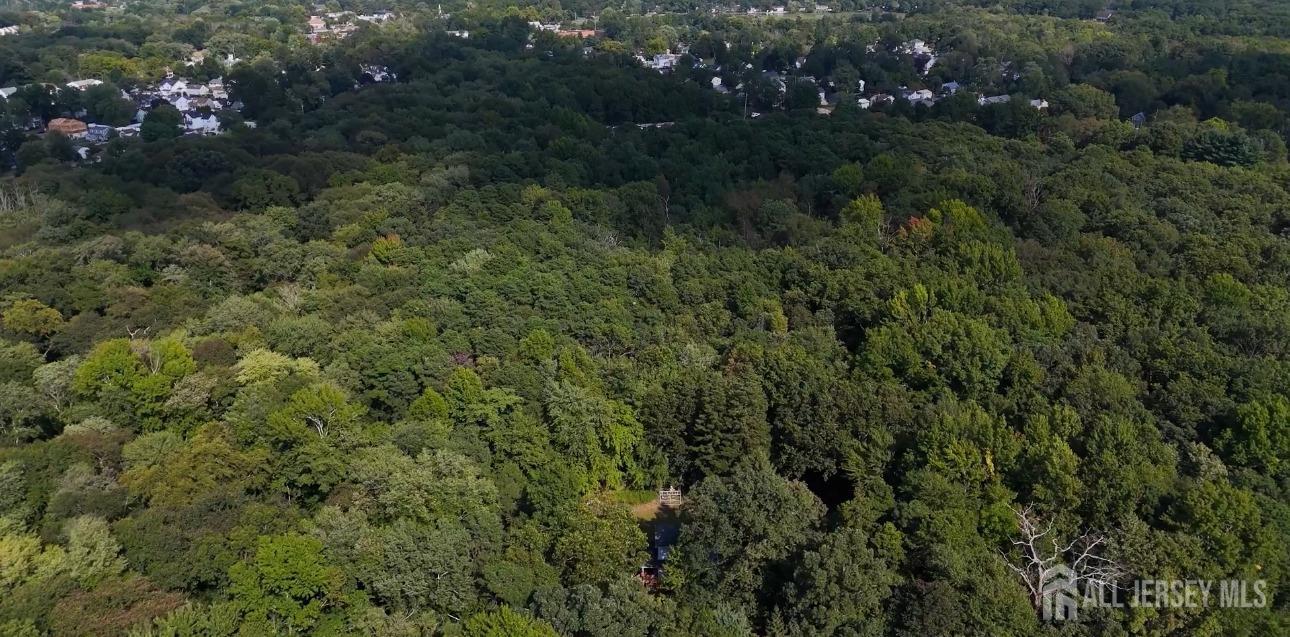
199 105
338 25
919 54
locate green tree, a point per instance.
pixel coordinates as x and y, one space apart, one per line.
286 586
840 588
1225 148
599 542
730 426
162 122
33 318
1259 436
505 622
737 532
595 433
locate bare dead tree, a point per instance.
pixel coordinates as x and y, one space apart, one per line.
1041 557
292 296
136 333
1033 193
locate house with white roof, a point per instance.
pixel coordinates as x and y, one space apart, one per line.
920 95
8 91
208 125
81 85
173 88
661 61
916 47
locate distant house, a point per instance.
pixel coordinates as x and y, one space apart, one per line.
98 133
317 24
950 88
181 104
81 85
378 73
1138 119
465 35
73 128
379 16
921 95
916 47
208 125
994 99
129 131
10 30
581 34
7 92
1104 15
1039 104
661 61
864 103
173 88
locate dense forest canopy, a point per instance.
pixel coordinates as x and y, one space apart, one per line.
414 353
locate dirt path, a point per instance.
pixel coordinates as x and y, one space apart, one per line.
646 511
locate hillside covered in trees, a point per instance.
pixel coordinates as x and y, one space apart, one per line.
399 359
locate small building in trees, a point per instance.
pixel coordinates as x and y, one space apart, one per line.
81 85
98 133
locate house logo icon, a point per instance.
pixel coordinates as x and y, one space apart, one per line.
1060 594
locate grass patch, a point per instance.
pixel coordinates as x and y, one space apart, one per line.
632 497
